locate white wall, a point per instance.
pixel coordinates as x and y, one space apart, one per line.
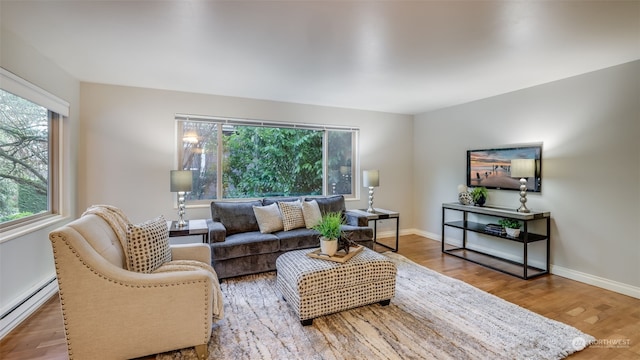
128 146
26 261
589 126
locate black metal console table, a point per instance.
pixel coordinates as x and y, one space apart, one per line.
520 269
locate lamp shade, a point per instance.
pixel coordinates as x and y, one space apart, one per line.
181 180
523 168
371 178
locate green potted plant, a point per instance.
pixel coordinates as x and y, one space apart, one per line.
512 226
330 229
479 195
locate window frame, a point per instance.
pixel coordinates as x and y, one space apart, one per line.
222 121
57 111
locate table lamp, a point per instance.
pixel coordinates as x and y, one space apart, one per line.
523 169
370 179
181 182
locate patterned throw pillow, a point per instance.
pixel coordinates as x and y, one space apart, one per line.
148 245
292 217
269 218
311 213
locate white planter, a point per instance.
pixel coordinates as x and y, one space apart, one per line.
513 232
329 247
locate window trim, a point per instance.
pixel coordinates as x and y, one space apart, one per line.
58 110
20 87
263 123
179 117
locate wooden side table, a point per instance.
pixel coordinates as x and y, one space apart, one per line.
381 214
193 227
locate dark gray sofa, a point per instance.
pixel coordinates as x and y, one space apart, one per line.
239 248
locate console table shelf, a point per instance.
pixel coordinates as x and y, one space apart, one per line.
496 263
522 269
480 228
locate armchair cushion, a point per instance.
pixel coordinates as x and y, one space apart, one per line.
117 223
148 245
196 251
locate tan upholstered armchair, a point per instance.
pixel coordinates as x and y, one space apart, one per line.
113 313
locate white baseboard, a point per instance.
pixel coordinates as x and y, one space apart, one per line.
392 233
429 235
18 312
600 282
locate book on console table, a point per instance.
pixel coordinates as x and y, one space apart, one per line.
340 256
495 229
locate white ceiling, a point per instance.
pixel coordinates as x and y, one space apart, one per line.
393 56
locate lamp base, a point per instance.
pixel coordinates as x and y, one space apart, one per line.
181 221
523 196
370 208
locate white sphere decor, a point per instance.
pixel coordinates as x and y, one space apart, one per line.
465 198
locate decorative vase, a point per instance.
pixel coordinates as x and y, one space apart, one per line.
513 232
480 201
328 246
465 198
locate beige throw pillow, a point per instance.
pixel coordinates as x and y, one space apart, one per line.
311 213
148 245
292 217
269 218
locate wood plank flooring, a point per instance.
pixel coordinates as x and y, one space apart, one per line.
611 318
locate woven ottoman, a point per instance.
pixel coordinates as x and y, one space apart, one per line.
315 287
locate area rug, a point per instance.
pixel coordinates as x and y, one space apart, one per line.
432 316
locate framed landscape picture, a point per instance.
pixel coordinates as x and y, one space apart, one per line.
491 168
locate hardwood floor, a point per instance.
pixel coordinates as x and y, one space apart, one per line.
611 318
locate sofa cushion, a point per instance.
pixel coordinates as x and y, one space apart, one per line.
330 204
148 245
269 218
301 238
311 213
236 216
250 264
273 200
292 217
244 244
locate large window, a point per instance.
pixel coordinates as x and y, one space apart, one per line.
28 152
234 158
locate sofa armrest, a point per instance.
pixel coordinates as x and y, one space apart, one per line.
356 218
199 252
217 231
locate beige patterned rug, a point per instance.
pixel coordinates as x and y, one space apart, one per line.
432 316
